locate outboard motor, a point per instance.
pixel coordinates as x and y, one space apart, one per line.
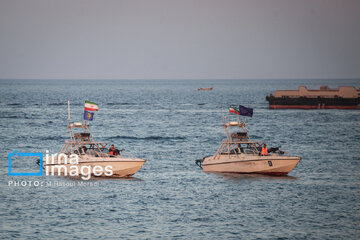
199 162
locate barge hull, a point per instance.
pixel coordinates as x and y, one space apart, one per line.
311 107
312 103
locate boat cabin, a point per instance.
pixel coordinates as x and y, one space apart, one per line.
238 142
82 143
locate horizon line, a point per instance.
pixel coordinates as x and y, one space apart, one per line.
171 79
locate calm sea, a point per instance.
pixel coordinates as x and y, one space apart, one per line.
171 124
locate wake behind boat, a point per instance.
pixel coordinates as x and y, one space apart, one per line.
94 157
239 154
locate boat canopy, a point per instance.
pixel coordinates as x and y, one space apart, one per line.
76 124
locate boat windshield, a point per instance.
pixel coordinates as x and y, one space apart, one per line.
86 149
236 148
96 153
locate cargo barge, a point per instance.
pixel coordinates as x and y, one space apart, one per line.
325 98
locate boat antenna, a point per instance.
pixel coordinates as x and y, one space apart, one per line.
71 136
69 111
223 115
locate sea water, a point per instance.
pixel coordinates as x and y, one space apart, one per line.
171 124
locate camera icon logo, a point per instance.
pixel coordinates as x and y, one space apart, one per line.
16 153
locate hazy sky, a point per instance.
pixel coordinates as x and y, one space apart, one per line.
179 39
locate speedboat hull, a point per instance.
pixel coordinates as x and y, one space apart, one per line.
271 165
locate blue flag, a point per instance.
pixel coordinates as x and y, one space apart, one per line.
88 115
244 111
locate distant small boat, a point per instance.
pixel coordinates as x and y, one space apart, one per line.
205 89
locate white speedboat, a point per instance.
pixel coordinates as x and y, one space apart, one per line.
82 156
239 154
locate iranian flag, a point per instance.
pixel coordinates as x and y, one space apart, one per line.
234 110
90 106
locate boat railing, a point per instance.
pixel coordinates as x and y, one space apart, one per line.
241 142
70 141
